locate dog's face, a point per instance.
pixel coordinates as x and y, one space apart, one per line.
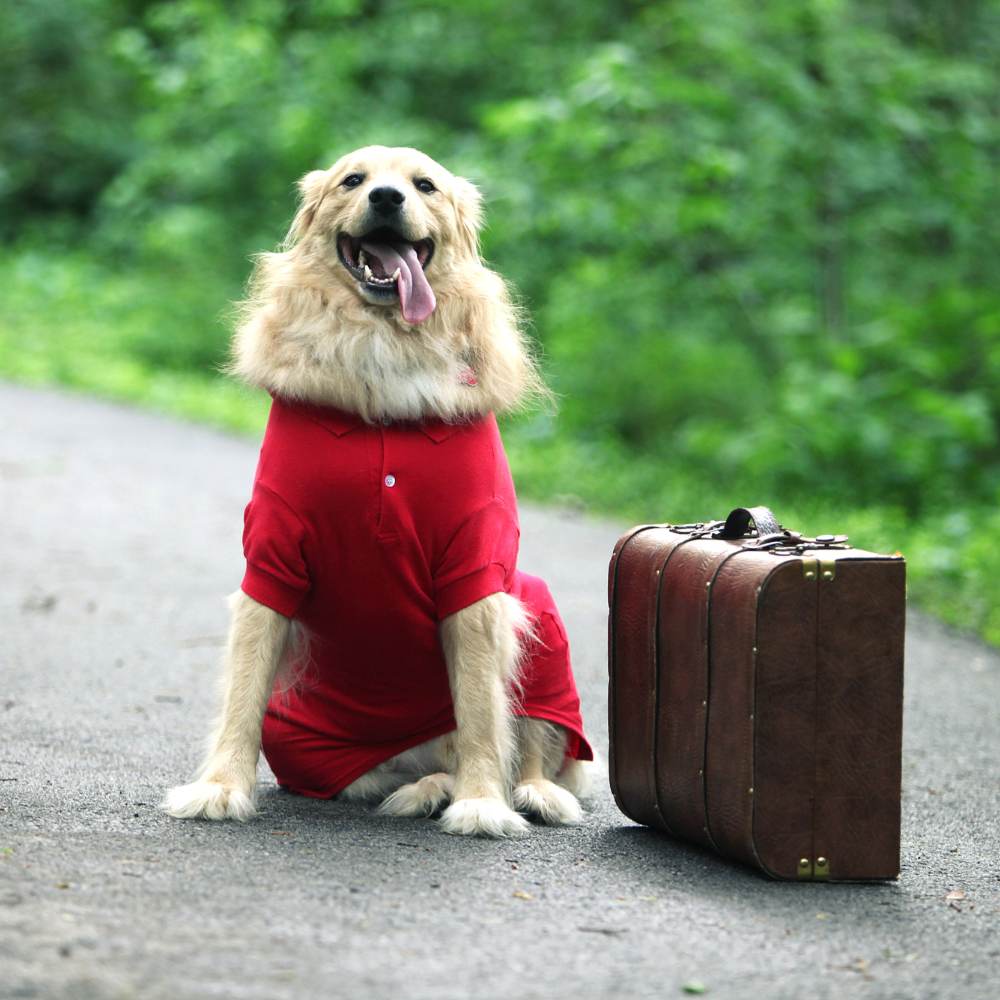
396 224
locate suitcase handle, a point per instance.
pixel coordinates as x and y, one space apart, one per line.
741 518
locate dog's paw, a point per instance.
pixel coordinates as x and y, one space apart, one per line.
483 818
583 777
421 798
209 800
546 801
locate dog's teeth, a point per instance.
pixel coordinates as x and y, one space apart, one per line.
362 258
395 275
368 273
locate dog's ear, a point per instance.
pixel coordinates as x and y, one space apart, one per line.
468 205
312 188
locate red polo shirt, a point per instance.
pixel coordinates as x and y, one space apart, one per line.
369 535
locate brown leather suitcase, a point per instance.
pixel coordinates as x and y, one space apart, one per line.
755 694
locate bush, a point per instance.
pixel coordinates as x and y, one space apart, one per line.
758 242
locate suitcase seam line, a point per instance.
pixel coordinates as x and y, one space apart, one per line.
656 677
613 658
753 744
708 689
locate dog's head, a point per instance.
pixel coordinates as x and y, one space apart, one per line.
396 222
379 303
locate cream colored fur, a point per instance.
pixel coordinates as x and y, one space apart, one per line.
307 332
481 650
225 785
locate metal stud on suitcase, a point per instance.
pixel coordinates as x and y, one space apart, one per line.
755 694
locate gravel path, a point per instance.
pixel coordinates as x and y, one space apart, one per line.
119 536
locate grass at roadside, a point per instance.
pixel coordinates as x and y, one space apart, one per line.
127 335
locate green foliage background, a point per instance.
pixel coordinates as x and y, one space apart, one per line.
758 242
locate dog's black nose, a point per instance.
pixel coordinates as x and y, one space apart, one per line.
386 200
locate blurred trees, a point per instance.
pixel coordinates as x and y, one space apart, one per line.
756 240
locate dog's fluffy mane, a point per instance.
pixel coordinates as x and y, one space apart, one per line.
304 334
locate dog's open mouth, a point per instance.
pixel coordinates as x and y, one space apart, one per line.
387 266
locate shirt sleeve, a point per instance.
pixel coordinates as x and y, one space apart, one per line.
479 560
274 545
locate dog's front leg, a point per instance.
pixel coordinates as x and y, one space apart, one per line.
225 785
481 650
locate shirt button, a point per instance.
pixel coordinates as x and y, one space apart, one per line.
390 480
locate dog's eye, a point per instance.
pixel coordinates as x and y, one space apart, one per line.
352 180
423 184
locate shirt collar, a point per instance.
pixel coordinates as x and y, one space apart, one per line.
341 422
438 430
338 422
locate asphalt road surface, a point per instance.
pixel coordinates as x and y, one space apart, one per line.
120 536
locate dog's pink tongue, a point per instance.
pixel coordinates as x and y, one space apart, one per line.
416 297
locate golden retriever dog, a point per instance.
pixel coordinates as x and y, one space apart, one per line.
383 645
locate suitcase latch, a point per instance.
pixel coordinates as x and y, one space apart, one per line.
810 871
